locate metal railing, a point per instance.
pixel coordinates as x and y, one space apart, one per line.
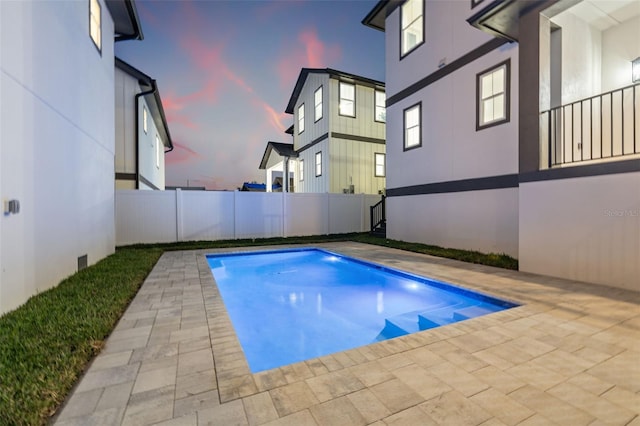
378 215
599 127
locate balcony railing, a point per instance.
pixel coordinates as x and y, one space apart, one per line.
600 127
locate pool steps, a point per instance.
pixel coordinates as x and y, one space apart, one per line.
412 322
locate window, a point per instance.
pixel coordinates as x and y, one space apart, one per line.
317 100
380 108
412 28
301 170
318 163
347 95
144 119
301 119
378 159
412 122
95 23
492 88
158 150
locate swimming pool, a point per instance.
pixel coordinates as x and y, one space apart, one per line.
296 304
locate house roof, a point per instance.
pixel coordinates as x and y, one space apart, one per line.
375 18
289 130
125 20
155 107
304 72
282 149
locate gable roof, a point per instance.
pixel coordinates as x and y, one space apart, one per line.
125 20
304 72
282 149
155 108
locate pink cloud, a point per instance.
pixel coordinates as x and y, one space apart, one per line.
275 119
181 154
310 52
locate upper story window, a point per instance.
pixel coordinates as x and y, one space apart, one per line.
412 125
380 107
412 28
301 170
317 101
347 94
319 163
493 96
95 23
301 119
158 151
144 119
379 159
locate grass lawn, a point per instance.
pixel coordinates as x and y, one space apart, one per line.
45 344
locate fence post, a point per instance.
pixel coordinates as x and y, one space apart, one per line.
178 215
284 214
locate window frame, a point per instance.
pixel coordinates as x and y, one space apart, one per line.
404 54
96 43
301 170
315 104
474 3
404 127
158 151
340 83
375 164
375 106
507 95
318 155
145 119
301 127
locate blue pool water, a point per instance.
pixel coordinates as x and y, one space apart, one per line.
291 305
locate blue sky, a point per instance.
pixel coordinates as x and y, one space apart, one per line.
226 70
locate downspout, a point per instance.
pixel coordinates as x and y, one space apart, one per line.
154 88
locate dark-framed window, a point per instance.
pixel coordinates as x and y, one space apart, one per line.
301 170
318 163
411 26
301 119
95 23
317 104
379 164
412 125
493 95
474 3
347 96
380 109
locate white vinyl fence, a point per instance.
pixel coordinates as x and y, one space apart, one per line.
170 216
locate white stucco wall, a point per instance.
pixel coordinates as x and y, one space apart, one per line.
486 221
56 143
620 46
585 229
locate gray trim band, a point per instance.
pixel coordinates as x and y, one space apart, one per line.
357 138
126 176
610 168
474 184
313 142
446 70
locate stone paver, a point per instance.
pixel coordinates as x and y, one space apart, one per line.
568 355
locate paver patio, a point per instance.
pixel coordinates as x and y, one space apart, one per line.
569 355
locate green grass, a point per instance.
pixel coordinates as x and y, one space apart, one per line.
46 344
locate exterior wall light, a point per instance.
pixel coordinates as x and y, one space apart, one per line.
635 70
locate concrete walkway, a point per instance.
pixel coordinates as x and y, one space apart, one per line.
570 355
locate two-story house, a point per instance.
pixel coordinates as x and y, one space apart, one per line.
142 133
513 127
338 133
57 138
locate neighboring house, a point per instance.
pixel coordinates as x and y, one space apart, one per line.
276 161
260 187
338 132
514 126
57 145
142 133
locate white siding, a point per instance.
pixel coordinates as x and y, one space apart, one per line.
352 163
311 182
147 149
363 124
57 144
126 88
312 130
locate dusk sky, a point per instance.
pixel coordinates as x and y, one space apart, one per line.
226 70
